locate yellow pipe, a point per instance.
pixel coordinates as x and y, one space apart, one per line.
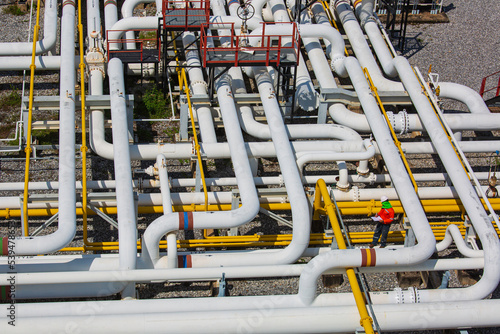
28 149
321 191
281 240
346 208
84 129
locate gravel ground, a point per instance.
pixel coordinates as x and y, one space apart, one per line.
461 51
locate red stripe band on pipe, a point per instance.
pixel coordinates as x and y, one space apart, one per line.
5 249
181 221
189 264
364 257
373 254
69 2
180 261
109 2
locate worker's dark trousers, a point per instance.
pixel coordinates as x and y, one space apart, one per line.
381 229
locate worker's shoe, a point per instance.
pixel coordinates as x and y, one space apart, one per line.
372 245
383 246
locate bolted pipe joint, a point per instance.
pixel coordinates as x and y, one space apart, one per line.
338 67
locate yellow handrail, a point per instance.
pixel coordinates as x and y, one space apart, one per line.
394 137
28 149
322 192
183 82
424 91
84 128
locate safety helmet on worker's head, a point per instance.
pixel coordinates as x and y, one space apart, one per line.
383 199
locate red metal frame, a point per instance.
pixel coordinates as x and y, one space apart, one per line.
240 45
141 42
184 14
482 90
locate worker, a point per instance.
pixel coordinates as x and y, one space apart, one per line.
384 219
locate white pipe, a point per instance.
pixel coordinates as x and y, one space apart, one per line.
93 269
402 184
317 57
128 11
297 131
461 182
127 226
403 122
364 11
299 203
361 48
464 94
161 165
199 87
202 220
66 194
308 30
335 156
354 194
252 315
305 95
453 234
49 35
110 15
23 63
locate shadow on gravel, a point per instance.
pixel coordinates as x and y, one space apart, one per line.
413 44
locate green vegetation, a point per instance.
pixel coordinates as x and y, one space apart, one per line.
13 10
153 104
10 100
147 34
46 137
171 131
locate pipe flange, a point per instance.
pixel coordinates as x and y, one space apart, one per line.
282 181
337 65
362 172
405 122
355 194
391 118
400 299
372 178
199 82
414 295
342 187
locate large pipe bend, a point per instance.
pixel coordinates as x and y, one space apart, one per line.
204 220
364 11
66 194
311 31
462 184
361 48
42 46
464 94
307 157
453 234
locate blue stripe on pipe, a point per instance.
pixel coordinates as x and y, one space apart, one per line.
186 223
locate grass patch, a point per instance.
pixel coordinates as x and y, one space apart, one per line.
153 104
10 100
13 10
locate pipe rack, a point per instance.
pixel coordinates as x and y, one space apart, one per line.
281 144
